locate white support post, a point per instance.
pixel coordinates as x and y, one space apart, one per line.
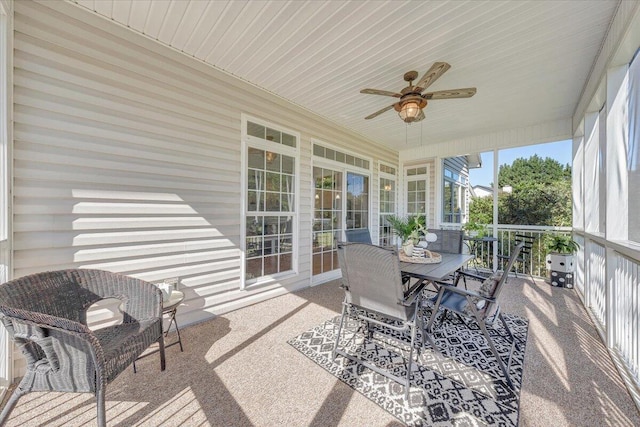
495 208
6 144
617 191
591 180
617 194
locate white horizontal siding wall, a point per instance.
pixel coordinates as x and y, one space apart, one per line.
127 158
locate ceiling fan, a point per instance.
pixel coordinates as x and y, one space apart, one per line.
412 100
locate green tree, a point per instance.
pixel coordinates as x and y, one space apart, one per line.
541 194
535 169
481 210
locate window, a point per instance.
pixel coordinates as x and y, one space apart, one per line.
339 156
387 204
416 178
455 183
270 201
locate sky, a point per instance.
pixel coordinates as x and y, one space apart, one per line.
560 151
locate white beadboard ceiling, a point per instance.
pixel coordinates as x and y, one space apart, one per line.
528 59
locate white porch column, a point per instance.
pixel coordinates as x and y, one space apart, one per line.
6 138
617 191
577 185
617 194
591 178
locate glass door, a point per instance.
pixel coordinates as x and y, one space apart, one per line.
327 219
333 213
357 201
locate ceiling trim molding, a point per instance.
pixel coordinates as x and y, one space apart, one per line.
557 130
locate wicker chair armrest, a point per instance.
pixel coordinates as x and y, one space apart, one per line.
26 333
142 300
45 320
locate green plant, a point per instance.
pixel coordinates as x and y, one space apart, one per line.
410 228
561 244
472 227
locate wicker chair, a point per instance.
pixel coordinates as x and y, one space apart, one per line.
46 315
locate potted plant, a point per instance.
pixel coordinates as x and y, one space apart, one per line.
561 249
409 230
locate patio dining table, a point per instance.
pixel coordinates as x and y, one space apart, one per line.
431 273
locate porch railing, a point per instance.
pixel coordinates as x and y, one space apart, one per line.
607 278
625 305
608 282
506 237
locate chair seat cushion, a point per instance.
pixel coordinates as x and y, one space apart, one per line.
122 344
488 287
452 301
459 303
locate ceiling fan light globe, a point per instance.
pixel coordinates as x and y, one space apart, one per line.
411 112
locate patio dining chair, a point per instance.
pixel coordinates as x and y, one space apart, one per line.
46 315
449 241
358 235
524 259
374 295
481 307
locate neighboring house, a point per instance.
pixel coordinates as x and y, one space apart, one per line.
481 191
456 191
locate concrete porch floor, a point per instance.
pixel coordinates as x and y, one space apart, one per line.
238 370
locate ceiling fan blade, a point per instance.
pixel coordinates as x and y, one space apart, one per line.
434 73
466 92
381 92
377 113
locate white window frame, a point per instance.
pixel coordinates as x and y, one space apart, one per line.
248 141
405 180
394 178
463 185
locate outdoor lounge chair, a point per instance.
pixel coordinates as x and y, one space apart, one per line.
481 307
374 294
46 315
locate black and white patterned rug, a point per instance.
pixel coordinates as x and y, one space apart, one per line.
461 386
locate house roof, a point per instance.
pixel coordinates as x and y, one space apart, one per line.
529 60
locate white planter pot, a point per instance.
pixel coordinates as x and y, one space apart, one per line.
407 247
564 263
